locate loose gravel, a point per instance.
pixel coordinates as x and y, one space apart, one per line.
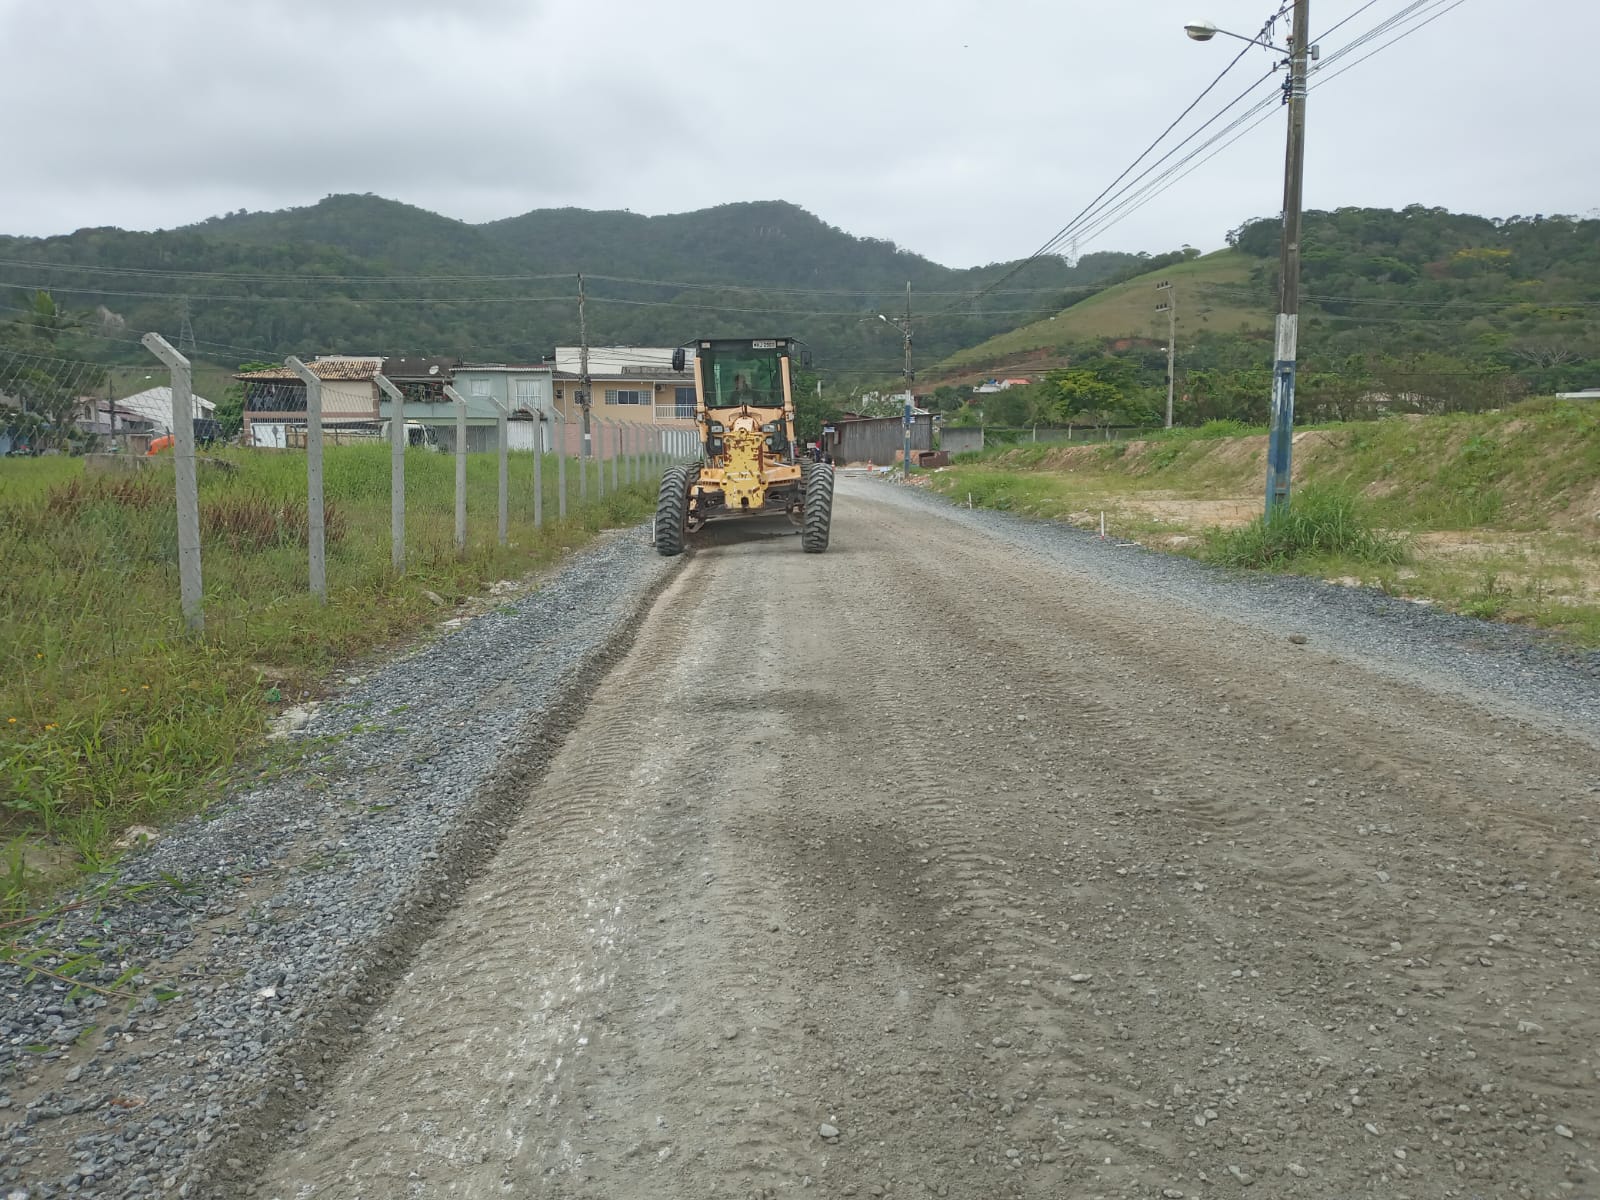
1507 668
938 866
268 928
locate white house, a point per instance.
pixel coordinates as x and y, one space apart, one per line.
155 406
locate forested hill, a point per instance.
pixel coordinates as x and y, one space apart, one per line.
1424 293
1442 310
366 274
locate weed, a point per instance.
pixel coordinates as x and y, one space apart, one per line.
1318 522
111 715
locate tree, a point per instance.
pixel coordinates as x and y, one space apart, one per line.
49 390
812 410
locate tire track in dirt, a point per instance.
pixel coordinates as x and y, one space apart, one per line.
1026 886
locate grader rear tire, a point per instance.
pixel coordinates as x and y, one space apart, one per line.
672 511
818 515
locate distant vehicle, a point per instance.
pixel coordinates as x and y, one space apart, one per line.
274 435
417 434
207 432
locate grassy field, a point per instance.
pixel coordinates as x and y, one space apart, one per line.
1126 310
1498 511
110 715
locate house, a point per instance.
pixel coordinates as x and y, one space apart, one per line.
421 379
991 386
1586 394
101 416
626 383
526 391
154 407
880 440
275 398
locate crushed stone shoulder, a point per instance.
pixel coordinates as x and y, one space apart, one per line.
272 924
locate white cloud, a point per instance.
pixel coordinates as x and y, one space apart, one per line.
967 131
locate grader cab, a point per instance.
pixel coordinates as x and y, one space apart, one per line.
750 463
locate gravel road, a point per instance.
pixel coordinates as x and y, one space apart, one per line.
299 902
980 858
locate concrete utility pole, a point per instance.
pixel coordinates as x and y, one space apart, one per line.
315 542
904 325
1170 307
911 377
1280 442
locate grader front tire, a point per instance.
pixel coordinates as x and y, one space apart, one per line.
817 518
672 511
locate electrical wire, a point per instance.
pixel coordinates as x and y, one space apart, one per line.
1062 234
1176 173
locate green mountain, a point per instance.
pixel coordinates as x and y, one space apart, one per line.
1428 309
366 274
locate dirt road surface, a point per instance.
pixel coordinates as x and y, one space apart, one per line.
928 867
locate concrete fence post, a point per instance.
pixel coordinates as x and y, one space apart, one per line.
503 502
597 448
315 534
616 455
561 466
189 588
538 473
460 402
397 472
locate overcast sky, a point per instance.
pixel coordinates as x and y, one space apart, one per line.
967 131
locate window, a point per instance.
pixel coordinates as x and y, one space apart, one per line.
734 373
684 403
627 396
480 387
527 391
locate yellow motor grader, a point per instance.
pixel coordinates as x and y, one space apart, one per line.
750 463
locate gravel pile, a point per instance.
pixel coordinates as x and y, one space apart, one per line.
1505 668
272 925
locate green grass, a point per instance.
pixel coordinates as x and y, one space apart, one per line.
1320 523
1128 310
111 715
1528 476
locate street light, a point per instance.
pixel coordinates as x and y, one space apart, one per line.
1280 443
1204 31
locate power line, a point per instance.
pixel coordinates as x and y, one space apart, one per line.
261 277
1176 173
1398 38
1066 229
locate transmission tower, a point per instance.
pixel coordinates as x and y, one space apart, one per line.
186 332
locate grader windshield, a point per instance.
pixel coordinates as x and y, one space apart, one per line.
735 373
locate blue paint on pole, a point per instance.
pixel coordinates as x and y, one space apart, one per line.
1280 443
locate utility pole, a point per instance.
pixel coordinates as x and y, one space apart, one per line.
910 377
1170 307
583 383
1280 443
